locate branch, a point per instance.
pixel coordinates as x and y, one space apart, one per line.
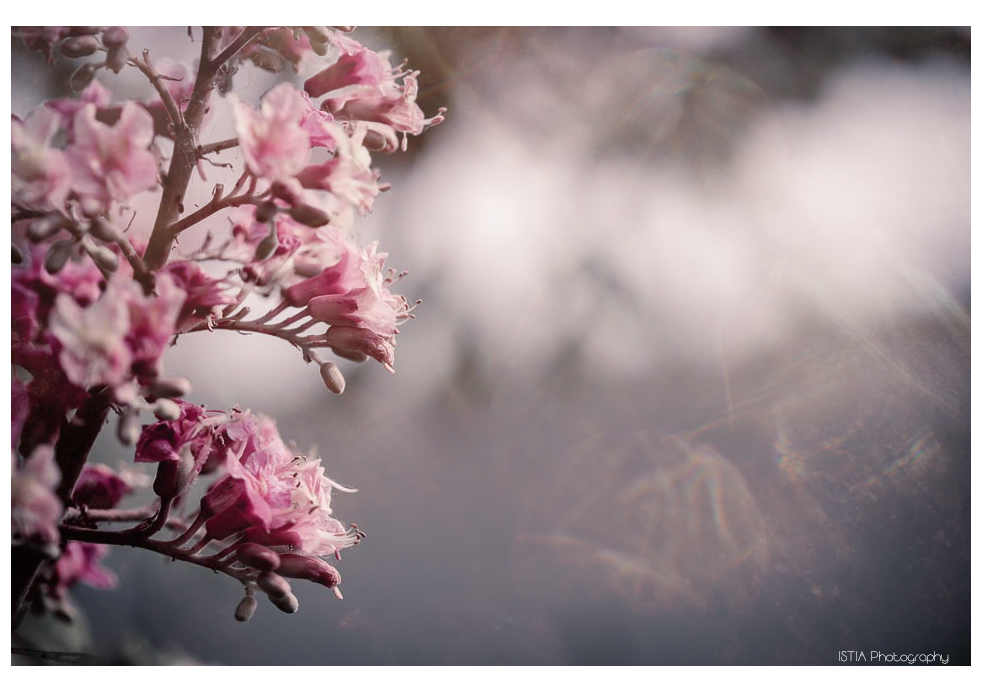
217 147
71 451
209 209
244 575
146 67
240 42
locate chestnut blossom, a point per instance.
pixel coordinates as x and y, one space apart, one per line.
348 174
93 339
99 487
81 562
66 107
112 163
39 174
121 335
362 86
354 298
101 287
269 494
273 142
34 508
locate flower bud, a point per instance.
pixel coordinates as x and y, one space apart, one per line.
116 58
57 256
272 584
173 477
165 482
81 78
92 207
246 608
115 36
353 356
267 247
309 215
170 387
104 258
103 230
165 409
294 565
128 427
45 227
333 379
284 192
266 211
286 603
79 46
257 556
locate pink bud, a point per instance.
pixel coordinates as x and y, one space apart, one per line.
45 227
246 608
332 377
57 256
293 565
272 584
115 36
257 556
79 46
81 78
165 409
103 230
309 215
286 603
171 387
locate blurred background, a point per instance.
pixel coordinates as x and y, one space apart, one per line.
690 379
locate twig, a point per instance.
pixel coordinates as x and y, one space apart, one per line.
217 147
146 67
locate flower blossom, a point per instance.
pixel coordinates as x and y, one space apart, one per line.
93 338
34 508
273 142
121 335
112 163
354 298
39 174
269 494
81 562
99 487
362 86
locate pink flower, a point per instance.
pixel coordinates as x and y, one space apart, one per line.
39 175
363 68
271 495
153 322
353 297
34 508
363 86
67 107
112 163
357 341
99 487
273 141
121 335
348 174
167 439
205 296
93 339
80 562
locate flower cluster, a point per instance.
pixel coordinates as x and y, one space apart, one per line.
100 290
